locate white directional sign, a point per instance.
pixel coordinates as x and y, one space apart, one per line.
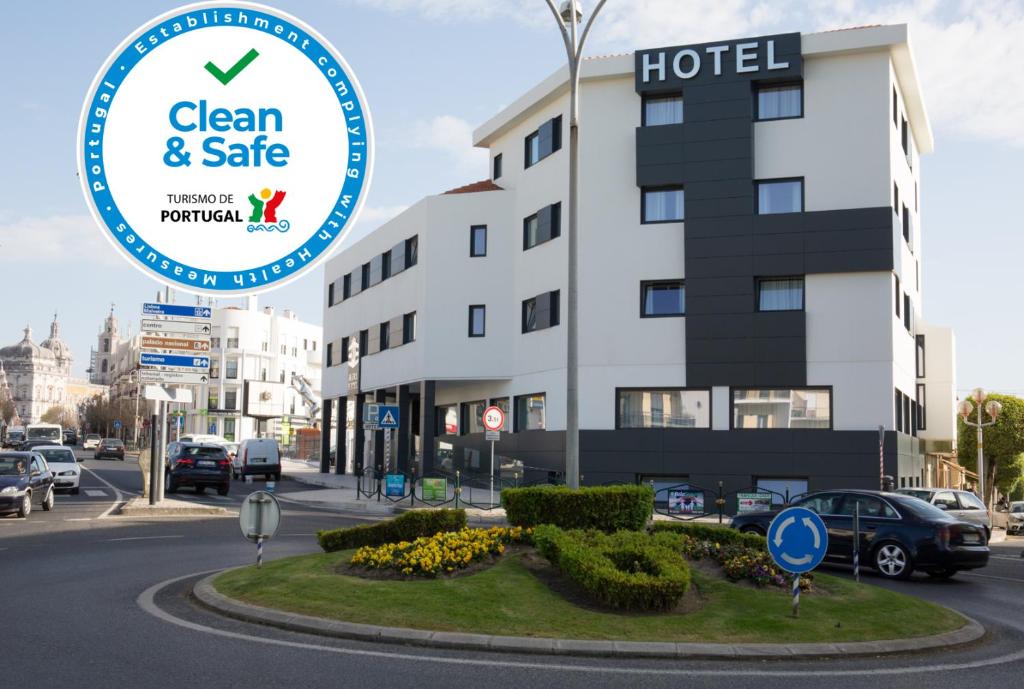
162 394
172 377
171 326
152 309
493 419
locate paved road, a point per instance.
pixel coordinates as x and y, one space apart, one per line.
73 576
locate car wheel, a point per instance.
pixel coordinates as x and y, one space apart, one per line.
223 490
26 506
48 501
752 529
942 574
200 490
169 485
893 561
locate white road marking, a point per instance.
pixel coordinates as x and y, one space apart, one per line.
95 493
146 602
142 538
118 499
989 576
79 519
1006 557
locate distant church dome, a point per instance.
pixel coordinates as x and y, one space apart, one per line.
59 347
26 349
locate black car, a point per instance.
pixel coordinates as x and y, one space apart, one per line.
14 439
70 437
109 447
25 479
898 533
198 465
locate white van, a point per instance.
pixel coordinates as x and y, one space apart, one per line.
257 456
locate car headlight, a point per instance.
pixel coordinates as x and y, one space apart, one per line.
70 472
9 490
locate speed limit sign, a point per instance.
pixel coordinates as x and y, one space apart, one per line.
494 419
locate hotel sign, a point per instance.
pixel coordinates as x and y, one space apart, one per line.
768 57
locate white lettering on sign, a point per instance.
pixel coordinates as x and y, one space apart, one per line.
686 62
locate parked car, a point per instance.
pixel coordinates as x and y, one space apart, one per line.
258 456
198 465
70 436
898 533
25 480
1011 517
962 504
109 447
91 441
63 465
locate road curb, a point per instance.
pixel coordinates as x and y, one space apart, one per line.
204 592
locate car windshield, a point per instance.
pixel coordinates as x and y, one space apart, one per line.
925 510
12 466
58 456
1017 507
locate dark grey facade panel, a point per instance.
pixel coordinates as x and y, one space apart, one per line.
723 304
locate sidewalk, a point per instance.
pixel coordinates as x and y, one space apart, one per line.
338 491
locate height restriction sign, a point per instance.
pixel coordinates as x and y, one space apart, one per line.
494 419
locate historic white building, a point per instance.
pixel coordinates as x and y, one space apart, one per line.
37 374
750 253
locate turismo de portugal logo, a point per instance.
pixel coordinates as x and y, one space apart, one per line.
225 147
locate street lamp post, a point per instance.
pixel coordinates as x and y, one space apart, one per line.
568 16
992 408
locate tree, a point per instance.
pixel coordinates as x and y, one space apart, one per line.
60 415
1004 446
7 411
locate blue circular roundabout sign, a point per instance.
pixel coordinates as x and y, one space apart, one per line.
797 540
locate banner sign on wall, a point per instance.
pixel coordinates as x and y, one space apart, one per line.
753 502
685 502
225 148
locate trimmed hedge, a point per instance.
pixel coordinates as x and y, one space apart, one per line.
608 508
629 570
716 534
406 527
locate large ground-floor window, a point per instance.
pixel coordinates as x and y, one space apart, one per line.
782 408
662 408
530 413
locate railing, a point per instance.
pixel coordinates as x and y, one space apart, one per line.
438 489
686 501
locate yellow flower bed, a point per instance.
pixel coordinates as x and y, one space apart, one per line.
442 552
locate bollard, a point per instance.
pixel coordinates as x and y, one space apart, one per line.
259 552
796 595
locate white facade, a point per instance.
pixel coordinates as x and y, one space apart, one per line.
846 148
38 374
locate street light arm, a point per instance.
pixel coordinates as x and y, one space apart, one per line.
565 33
586 29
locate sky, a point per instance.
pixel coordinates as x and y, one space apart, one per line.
432 70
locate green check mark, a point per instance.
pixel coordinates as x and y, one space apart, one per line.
225 77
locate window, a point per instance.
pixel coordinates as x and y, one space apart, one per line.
411 250
214 368
477 320
970 501
346 286
542 226
231 368
899 411
662 205
231 399
895 198
906 224
540 312
330 294
780 294
408 327
214 343
869 505
364 276
908 318
543 142
106 345
330 354
284 349
662 109
904 134
530 413
898 293
946 500
822 503
778 102
263 374
782 408
780 196
229 429
895 112
921 419
448 420
364 342
473 417
497 166
782 490
668 408
212 400
662 298
919 341
385 265
478 240
502 404
384 336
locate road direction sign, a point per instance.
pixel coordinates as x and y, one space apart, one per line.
259 516
175 344
175 361
176 310
493 418
174 327
797 540
173 377
387 416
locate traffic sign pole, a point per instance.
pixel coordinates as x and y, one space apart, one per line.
493 420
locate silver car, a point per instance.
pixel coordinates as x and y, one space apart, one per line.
962 504
1010 517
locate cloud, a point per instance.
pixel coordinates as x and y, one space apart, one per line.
967 53
55 239
453 138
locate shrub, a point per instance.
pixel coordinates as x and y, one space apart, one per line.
715 534
406 527
442 552
608 508
628 570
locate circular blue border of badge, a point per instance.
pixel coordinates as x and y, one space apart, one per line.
258 277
